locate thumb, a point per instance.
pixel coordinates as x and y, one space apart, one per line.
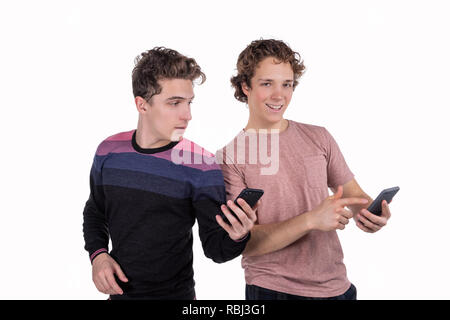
120 273
339 193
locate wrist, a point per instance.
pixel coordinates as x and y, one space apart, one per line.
242 238
98 253
310 220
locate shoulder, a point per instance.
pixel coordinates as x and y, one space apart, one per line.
114 142
306 127
192 155
314 132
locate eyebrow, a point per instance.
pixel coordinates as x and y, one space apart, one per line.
179 98
270 80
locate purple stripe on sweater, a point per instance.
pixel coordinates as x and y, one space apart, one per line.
186 153
96 253
121 136
109 146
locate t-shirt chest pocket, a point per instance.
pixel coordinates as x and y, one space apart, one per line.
316 171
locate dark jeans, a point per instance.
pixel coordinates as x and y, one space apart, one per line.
185 296
258 293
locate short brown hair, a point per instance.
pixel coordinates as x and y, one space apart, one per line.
161 63
257 51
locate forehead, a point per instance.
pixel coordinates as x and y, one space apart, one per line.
179 87
270 68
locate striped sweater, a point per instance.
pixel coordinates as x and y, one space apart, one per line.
146 201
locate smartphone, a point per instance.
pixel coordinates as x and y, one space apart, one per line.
251 196
386 194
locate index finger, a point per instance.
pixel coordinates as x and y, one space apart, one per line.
247 210
241 216
349 201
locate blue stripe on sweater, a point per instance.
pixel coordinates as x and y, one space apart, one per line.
160 167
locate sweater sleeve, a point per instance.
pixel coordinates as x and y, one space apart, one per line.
208 196
95 228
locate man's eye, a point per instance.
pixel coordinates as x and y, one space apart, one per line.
288 85
174 103
265 84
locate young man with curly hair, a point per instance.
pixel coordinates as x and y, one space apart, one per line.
294 252
149 185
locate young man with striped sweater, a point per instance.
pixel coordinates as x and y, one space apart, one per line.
150 184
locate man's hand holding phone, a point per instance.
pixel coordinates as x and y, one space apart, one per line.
241 217
369 222
378 213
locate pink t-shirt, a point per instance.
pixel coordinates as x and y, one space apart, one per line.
294 182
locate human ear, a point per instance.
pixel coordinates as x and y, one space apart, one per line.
141 104
245 88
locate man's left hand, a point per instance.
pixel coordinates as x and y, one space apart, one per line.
369 222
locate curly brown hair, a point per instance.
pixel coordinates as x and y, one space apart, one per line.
161 63
257 51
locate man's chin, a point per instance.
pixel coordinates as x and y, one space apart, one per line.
175 138
177 135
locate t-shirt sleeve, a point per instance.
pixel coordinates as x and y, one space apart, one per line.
338 171
233 178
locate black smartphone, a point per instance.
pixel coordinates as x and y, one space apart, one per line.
251 196
386 194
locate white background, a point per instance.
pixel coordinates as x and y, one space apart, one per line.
377 78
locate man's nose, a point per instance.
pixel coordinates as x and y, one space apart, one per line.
186 114
276 94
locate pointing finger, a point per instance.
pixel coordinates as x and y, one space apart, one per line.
349 201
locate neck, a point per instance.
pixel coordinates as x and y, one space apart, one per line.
257 125
146 139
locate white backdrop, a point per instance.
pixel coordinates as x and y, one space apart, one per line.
377 78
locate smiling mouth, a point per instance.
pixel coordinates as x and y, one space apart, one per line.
274 107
